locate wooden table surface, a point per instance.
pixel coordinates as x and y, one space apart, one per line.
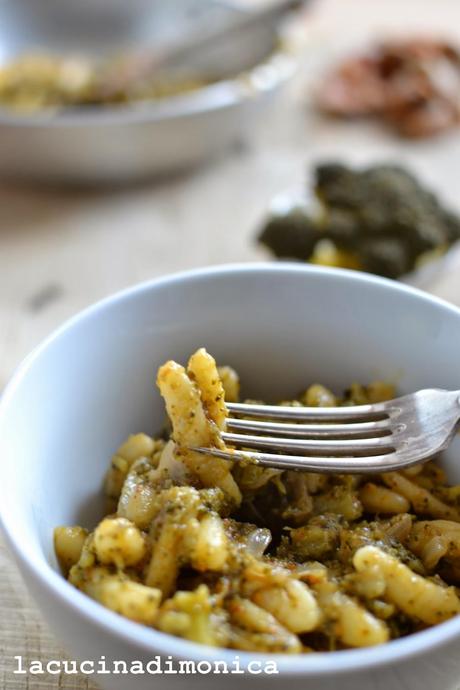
61 250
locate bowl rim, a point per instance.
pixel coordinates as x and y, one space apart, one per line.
264 77
156 642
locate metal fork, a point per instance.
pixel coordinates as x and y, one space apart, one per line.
382 437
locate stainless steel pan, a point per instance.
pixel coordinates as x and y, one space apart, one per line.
105 144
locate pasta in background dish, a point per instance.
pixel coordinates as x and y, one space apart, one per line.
260 559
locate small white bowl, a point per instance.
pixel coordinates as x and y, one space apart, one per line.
93 382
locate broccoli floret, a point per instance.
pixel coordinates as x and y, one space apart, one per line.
291 236
382 214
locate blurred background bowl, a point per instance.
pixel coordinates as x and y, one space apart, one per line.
96 144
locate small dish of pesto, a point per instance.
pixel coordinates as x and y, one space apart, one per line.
380 219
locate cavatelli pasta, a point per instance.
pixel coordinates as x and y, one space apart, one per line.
258 559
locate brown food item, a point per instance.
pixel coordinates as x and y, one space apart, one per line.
413 85
354 89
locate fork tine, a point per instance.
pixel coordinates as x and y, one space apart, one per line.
420 425
349 430
360 446
372 464
351 413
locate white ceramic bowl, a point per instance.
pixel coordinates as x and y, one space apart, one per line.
92 383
